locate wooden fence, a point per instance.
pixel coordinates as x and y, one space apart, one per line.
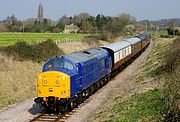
67 41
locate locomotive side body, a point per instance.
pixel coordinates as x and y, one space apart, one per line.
91 65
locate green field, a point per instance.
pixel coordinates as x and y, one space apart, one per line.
31 38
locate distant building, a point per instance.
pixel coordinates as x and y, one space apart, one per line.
71 29
40 13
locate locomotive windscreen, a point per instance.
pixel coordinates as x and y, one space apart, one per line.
58 63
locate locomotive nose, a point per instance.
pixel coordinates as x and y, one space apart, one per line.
53 84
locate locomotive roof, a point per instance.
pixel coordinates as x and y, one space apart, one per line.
133 40
117 45
85 55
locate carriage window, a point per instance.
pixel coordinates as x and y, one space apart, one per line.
123 54
129 50
125 51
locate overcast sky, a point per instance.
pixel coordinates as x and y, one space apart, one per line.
53 9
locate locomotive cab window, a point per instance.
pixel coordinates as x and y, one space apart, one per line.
59 63
77 68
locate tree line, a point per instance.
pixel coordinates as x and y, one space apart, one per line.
87 23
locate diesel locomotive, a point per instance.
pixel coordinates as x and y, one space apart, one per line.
67 80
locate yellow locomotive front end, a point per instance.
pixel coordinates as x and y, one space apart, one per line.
53 84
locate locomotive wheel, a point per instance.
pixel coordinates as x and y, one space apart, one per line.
102 82
72 104
64 108
56 107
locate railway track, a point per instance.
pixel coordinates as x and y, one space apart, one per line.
57 118
53 118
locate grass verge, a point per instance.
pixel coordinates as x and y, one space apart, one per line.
140 107
152 67
163 66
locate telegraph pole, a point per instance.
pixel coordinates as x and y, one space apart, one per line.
146 25
23 27
174 24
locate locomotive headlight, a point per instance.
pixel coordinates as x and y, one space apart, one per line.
57 82
63 77
45 81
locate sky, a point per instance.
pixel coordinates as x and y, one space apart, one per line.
54 9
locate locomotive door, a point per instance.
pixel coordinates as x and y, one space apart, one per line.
79 76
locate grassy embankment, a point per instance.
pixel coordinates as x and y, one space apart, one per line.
31 38
153 104
17 80
19 69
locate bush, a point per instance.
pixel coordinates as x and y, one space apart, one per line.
172 96
105 35
164 36
37 52
173 56
173 31
46 50
19 51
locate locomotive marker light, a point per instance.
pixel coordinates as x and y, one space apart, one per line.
45 81
63 77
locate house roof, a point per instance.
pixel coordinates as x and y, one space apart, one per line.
71 26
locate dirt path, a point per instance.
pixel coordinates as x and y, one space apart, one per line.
122 85
21 112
